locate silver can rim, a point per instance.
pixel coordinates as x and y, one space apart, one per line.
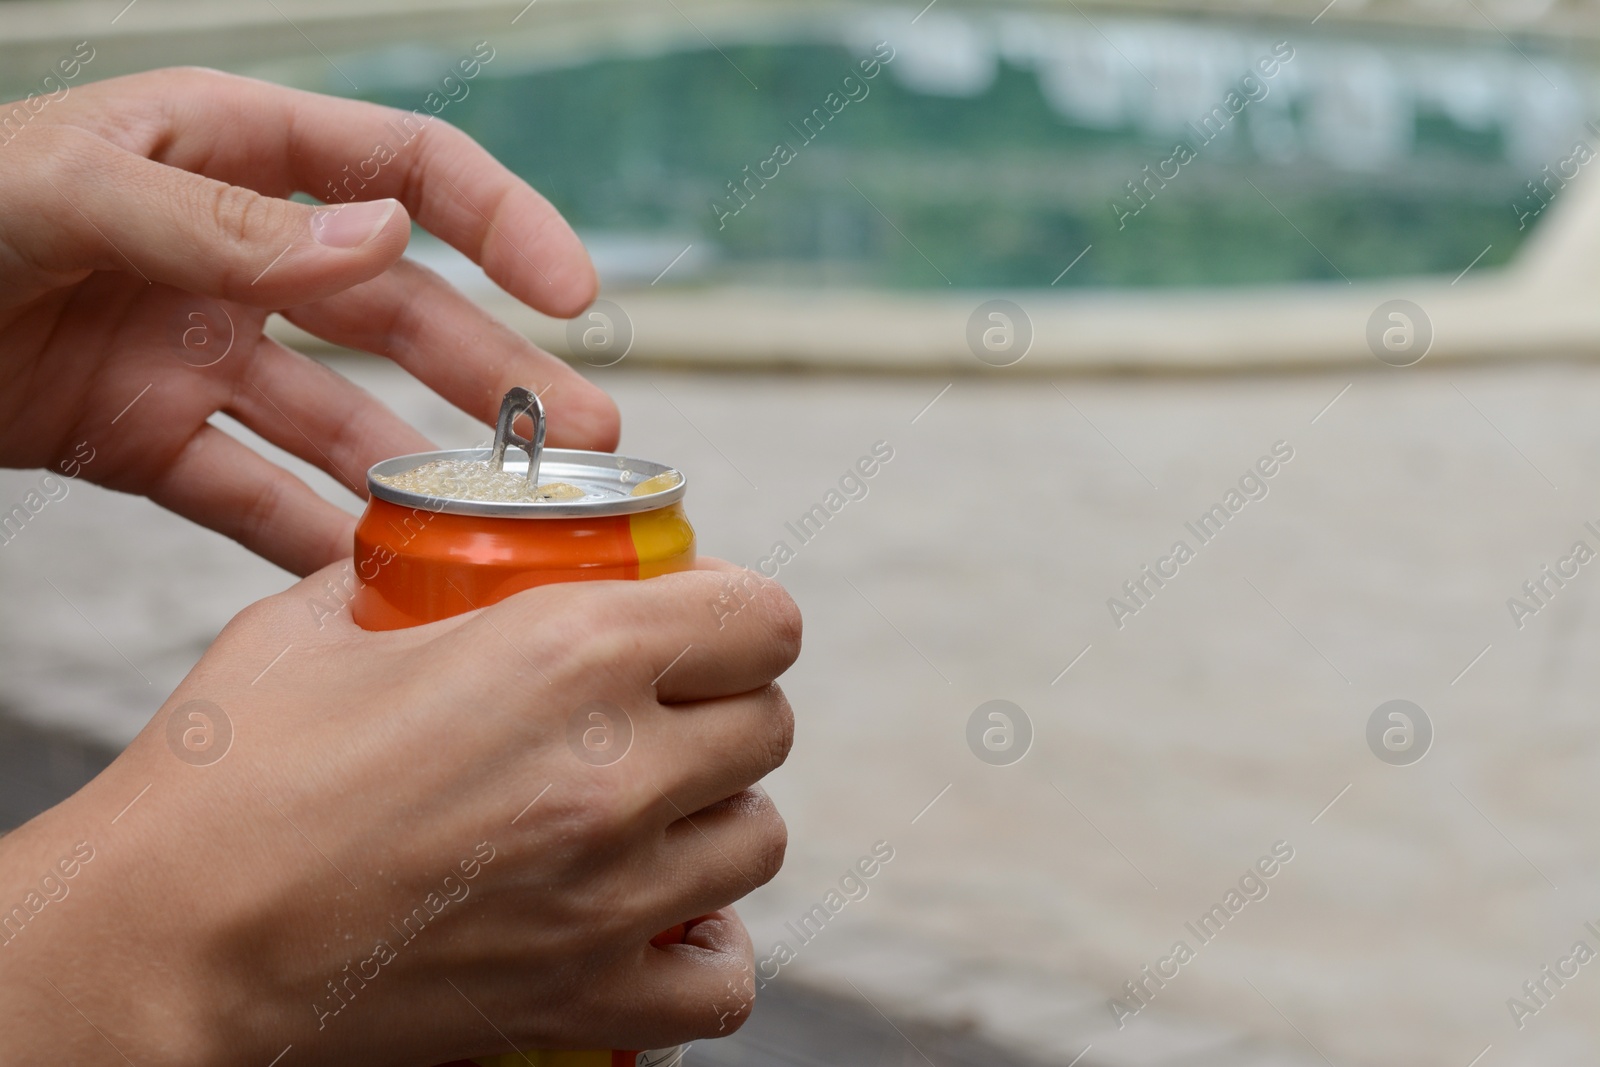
585 469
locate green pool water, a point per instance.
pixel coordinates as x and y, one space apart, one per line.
995 186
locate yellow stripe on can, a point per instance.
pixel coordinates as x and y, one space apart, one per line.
663 540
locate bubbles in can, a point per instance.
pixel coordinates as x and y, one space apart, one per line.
476 480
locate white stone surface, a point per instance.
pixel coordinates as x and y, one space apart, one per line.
1224 717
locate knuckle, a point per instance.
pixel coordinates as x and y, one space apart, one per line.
781 726
255 519
247 620
198 78
50 141
418 277
193 81
583 630
60 154
434 138
251 622
600 609
787 625
712 1002
238 212
771 842
46 181
734 1011
594 811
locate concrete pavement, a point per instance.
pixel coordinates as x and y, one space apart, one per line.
1226 717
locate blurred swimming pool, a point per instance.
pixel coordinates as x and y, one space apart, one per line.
990 148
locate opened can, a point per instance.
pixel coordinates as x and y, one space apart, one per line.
449 532
439 538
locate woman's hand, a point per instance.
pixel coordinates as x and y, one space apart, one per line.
144 239
404 847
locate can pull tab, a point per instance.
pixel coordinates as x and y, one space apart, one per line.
519 401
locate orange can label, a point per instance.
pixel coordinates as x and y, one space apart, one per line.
419 566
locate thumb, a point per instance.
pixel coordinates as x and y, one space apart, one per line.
104 208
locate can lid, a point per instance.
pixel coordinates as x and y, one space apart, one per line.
611 485
546 483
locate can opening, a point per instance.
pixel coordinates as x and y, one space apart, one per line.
488 480
475 479
485 482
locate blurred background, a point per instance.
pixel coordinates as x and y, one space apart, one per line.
1087 268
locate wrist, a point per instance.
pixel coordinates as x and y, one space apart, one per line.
90 969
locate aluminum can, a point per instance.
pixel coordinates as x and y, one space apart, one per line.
422 556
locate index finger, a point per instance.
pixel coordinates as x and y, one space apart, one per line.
696 635
276 140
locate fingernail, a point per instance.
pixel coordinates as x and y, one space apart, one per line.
351 225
